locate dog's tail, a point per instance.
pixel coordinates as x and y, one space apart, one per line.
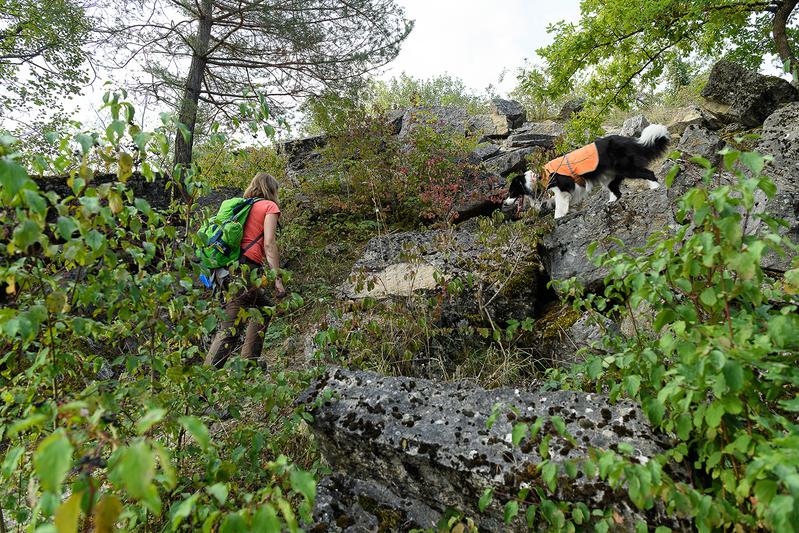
655 138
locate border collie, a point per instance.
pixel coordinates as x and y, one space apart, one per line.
606 162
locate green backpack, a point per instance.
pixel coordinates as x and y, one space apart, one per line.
221 234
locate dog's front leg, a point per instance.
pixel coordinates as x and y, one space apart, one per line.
561 203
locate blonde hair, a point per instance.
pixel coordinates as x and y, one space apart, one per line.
263 185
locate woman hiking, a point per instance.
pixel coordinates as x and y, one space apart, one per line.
261 223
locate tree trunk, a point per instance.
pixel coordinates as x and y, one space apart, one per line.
191 93
788 57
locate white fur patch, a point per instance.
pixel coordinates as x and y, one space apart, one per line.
529 181
652 133
561 202
612 198
654 185
509 201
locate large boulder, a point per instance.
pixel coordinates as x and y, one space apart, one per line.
633 126
543 134
414 448
780 138
157 192
300 152
572 106
697 141
691 115
488 127
735 94
632 220
441 119
510 112
507 163
405 263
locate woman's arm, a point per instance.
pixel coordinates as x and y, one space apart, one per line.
270 249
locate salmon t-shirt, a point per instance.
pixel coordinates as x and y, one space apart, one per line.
254 228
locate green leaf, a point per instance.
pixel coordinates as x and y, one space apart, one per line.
708 296
218 491
233 523
12 178
197 429
66 227
136 469
754 161
68 513
518 433
86 142
734 375
184 510
714 413
485 499
26 233
511 510
266 520
152 417
10 461
765 490
304 483
671 174
52 460
632 384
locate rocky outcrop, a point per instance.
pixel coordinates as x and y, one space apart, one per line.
404 450
156 192
691 116
734 94
507 163
511 111
697 141
439 118
632 220
299 152
401 264
543 134
633 126
572 106
780 138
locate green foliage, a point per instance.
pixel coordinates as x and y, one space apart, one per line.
223 163
624 46
103 394
717 365
405 91
41 55
366 171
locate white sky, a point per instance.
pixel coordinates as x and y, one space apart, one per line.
476 40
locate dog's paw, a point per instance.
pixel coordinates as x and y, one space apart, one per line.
654 185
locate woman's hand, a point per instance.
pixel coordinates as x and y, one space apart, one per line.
281 290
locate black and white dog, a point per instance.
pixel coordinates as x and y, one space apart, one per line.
606 161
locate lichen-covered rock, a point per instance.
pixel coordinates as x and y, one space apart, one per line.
484 151
561 332
511 111
301 151
697 141
633 126
736 94
543 134
429 442
632 219
691 116
780 138
507 163
156 192
488 126
441 118
572 106
401 264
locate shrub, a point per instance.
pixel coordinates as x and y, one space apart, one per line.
106 416
718 369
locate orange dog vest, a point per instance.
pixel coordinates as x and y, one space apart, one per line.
574 164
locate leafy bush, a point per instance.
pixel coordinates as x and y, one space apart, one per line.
716 367
107 418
